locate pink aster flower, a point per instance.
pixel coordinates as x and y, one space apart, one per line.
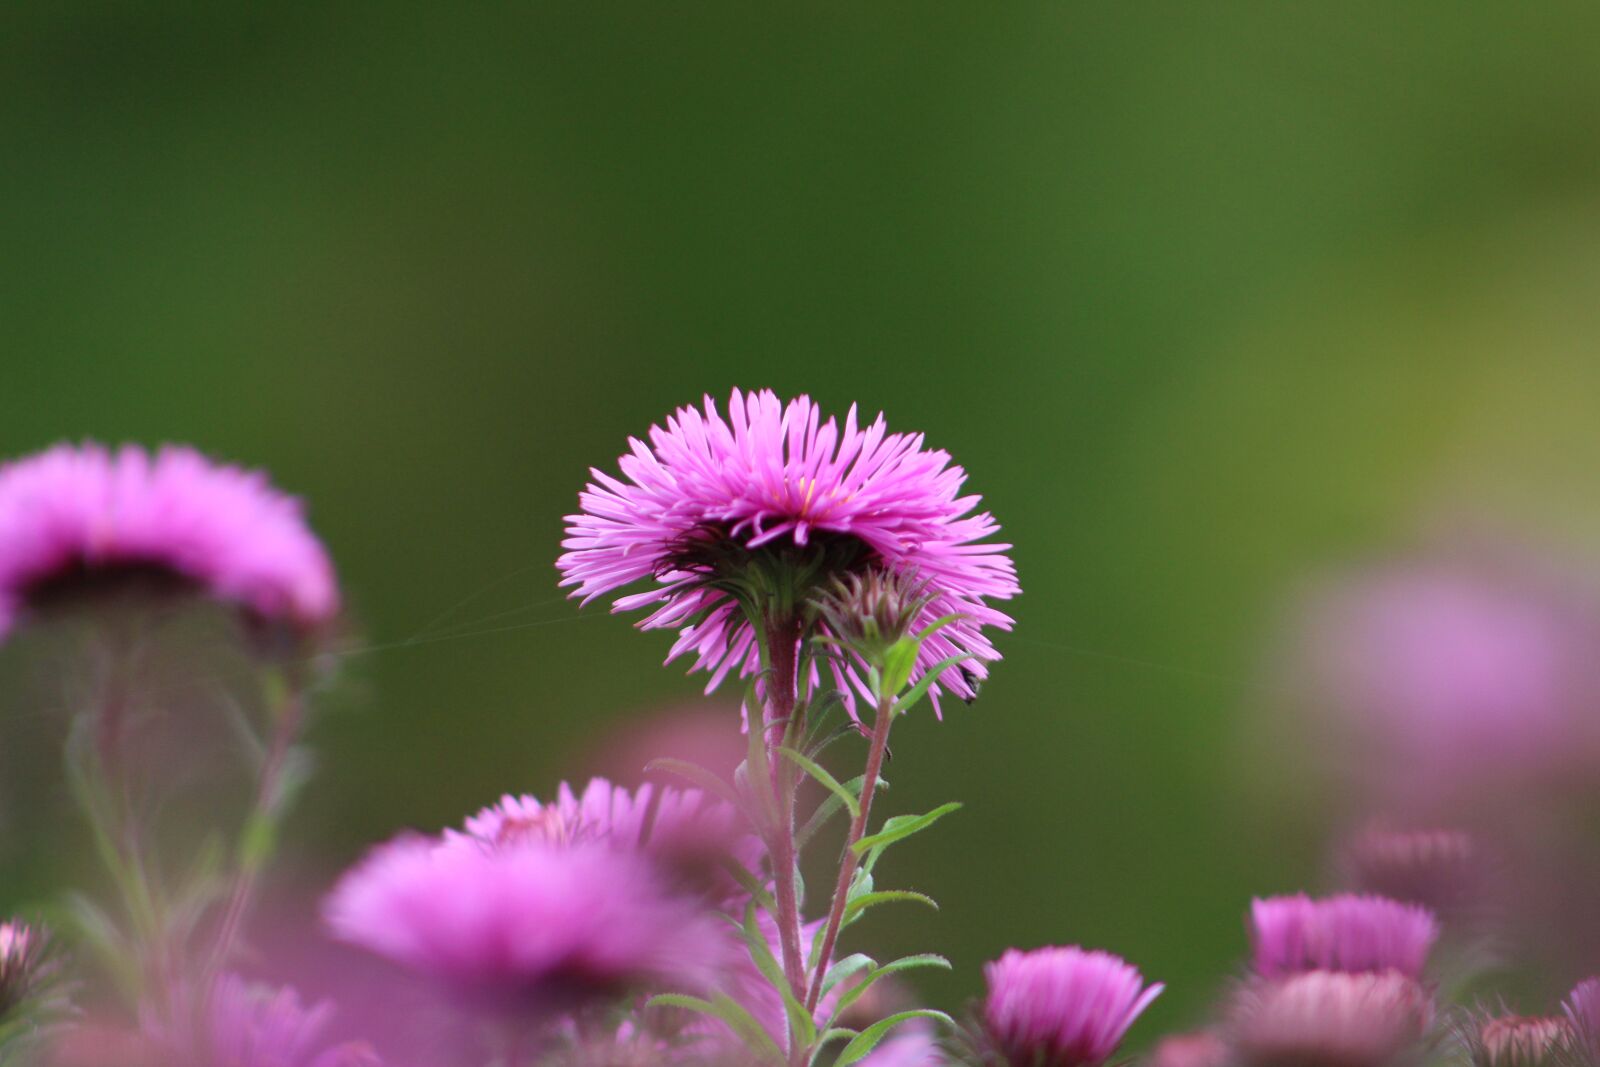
22 956
1519 1040
245 1025
1330 1017
1061 1007
1201 1048
1347 932
531 927
776 478
77 512
1582 1009
686 832
1457 678
1442 870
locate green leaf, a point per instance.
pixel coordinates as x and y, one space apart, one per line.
800 1020
900 827
697 774
904 963
898 663
860 904
820 773
867 1040
257 841
830 807
929 676
843 969
752 1033
750 884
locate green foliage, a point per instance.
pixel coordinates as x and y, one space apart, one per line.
896 829
868 1039
721 1007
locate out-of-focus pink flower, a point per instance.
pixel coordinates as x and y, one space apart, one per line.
1329 1017
1347 932
76 512
1457 677
1061 1007
1519 1040
1442 870
1203 1048
528 928
708 492
1582 1009
685 831
22 951
241 1024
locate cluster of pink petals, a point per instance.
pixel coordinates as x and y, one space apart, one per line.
86 508
1582 1009
527 927
1443 870
772 473
1348 932
19 951
1519 1040
1202 1048
689 833
244 1025
1329 1017
1061 1007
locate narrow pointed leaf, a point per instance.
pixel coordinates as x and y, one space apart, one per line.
820 773
861 903
900 827
867 1040
751 1032
929 676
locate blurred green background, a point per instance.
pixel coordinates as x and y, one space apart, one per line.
1203 296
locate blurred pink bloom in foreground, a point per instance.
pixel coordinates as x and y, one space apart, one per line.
528 928
1329 1017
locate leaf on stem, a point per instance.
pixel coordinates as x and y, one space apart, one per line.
721 1007
867 1040
828 781
898 828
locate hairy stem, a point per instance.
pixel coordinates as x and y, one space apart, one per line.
783 639
848 860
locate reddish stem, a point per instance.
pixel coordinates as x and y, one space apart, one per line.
848 860
783 641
